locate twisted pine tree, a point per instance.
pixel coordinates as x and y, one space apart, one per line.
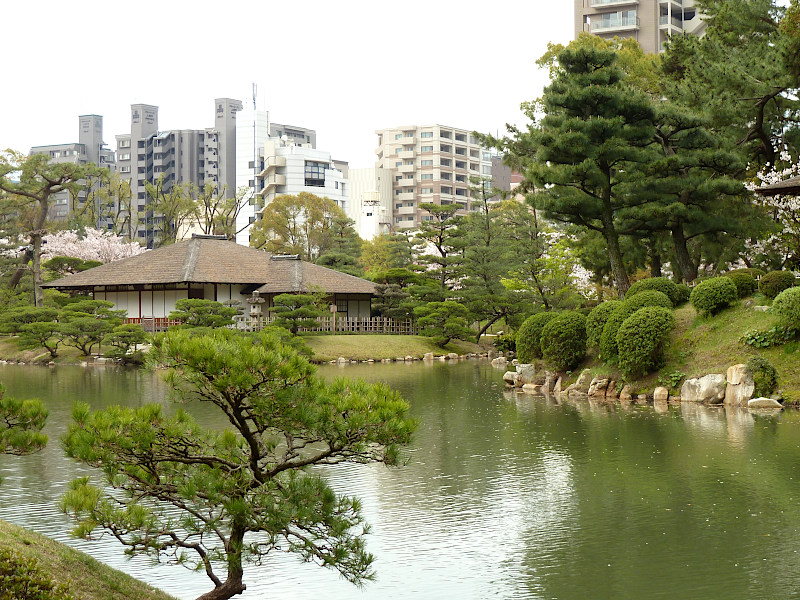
215 498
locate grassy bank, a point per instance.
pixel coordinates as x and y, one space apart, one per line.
87 578
702 345
364 347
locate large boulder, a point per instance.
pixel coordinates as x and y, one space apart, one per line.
764 403
499 363
598 387
510 377
709 388
526 373
550 378
660 394
741 385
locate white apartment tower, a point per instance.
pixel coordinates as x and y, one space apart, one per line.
430 164
650 22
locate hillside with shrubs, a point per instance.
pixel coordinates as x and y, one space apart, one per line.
663 333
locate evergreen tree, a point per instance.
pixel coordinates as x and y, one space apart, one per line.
438 241
217 498
591 142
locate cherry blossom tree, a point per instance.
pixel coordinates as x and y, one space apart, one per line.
90 244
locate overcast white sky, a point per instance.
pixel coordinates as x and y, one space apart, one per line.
344 68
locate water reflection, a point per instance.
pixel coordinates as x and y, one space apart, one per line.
505 495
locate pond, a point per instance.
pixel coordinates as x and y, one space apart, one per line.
503 496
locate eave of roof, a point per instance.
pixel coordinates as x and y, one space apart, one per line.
788 186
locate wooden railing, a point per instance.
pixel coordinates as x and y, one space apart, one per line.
153 324
384 325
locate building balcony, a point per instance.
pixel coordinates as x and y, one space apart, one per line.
271 182
610 3
271 163
406 154
616 24
406 210
664 21
405 225
405 169
406 196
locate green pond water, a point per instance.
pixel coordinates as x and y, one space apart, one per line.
504 495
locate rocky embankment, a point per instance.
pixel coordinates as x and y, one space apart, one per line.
734 388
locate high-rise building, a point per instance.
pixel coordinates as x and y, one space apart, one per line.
89 149
286 167
430 164
650 22
199 156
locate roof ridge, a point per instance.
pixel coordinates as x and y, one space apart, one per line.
190 261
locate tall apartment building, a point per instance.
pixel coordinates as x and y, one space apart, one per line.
89 148
650 22
430 164
199 156
254 130
287 167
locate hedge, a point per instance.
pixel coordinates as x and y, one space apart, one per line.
745 284
641 339
597 320
787 306
775 282
608 341
649 298
754 273
529 336
22 578
684 292
712 295
660 284
564 341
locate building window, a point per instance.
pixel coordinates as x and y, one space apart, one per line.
474 154
461 137
425 176
426 190
315 173
460 164
398 136
461 192
461 178
426 163
446 135
445 162
461 151
125 169
445 148
486 170
398 178
426 149
446 176
426 134
398 163
125 156
124 144
447 189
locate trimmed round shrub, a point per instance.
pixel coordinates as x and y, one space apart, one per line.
787 306
649 298
597 320
659 284
529 336
712 295
765 376
608 340
684 292
754 273
564 341
775 282
641 339
745 284
505 342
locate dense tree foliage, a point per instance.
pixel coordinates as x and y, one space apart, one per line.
193 495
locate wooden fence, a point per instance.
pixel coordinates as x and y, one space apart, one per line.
384 325
153 324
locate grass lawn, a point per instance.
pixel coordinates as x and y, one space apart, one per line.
10 351
87 578
364 347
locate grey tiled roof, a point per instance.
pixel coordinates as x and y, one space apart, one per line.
203 260
788 186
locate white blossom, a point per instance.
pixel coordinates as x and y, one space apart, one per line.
95 244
